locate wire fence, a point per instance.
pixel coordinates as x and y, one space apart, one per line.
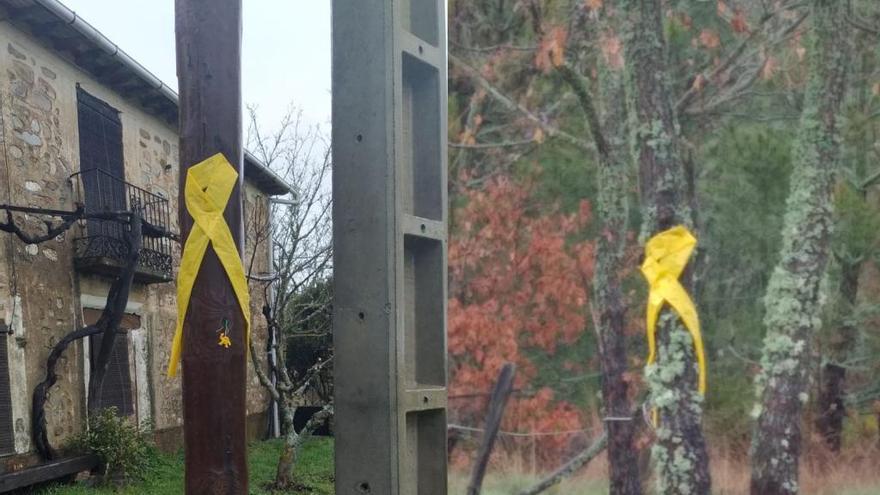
534 452
471 429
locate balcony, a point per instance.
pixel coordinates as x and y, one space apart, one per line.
102 248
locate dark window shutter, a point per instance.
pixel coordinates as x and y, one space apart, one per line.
7 439
101 158
100 135
116 391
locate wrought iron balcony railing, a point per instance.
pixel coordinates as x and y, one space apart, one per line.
103 248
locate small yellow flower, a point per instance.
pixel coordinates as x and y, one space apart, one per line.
224 341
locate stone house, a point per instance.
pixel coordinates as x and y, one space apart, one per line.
82 122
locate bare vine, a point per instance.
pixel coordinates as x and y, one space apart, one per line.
111 316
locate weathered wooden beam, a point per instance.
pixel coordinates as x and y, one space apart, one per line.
214 376
48 471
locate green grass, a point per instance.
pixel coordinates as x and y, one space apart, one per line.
315 471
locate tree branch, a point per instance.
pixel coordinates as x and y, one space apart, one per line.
578 84
486 146
569 468
858 24
107 324
494 48
261 373
40 395
114 310
551 131
52 231
313 423
727 65
68 219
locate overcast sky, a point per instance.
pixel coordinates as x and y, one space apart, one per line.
286 58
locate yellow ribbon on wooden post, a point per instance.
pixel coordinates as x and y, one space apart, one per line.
666 256
208 187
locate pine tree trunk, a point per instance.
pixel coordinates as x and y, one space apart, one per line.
607 124
608 301
680 456
623 457
832 384
793 293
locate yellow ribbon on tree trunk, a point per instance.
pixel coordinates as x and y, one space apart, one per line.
208 187
666 256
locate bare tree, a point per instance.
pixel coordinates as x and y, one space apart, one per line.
298 232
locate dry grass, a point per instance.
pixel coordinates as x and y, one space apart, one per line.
849 475
507 475
854 472
512 483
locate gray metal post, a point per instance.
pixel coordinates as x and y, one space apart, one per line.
389 228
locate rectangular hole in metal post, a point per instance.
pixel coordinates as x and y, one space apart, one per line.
421 18
421 175
426 448
424 339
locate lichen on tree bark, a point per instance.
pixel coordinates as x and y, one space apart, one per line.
793 300
679 453
606 122
613 209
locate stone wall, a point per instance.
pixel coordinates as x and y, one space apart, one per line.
41 295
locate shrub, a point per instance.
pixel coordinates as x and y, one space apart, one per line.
125 451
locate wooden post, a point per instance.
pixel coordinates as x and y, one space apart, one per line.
497 405
214 377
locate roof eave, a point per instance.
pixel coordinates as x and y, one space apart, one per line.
95 54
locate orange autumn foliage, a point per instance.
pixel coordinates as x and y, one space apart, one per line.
518 285
709 39
612 50
551 50
739 23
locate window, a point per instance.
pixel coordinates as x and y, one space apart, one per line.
101 188
117 389
101 161
117 382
